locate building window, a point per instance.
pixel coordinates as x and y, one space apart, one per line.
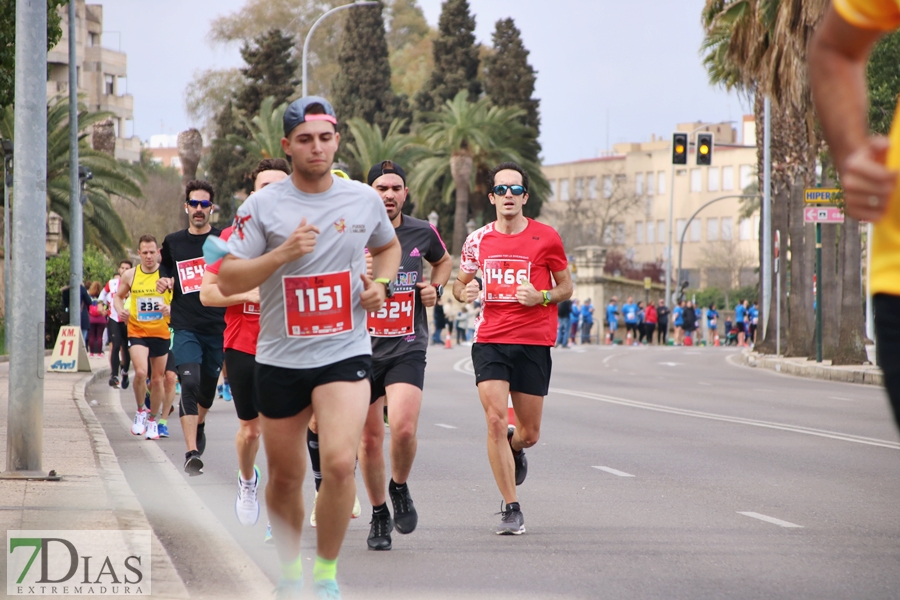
608 234
712 230
648 206
639 232
109 85
695 230
620 233
651 230
639 184
746 176
607 186
94 39
564 190
661 232
621 180
727 179
696 181
553 185
650 186
579 188
680 224
745 229
661 180
592 188
712 179
726 228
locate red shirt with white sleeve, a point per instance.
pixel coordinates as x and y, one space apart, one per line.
241 320
506 261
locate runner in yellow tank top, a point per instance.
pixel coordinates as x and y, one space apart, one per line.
147 314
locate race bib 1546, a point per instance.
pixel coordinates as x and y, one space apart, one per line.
317 305
190 274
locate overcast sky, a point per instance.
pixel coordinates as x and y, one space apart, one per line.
634 65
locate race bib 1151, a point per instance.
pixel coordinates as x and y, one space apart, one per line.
317 305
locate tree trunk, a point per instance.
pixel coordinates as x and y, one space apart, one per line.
831 290
190 147
852 341
800 303
461 170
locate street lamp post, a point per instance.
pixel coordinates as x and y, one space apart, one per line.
76 215
313 28
7 183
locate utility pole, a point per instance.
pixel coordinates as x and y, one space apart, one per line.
76 238
24 439
766 262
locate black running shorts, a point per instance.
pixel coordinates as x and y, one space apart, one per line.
526 368
157 346
283 393
406 368
241 369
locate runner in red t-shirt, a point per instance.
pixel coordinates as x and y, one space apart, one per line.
520 260
241 332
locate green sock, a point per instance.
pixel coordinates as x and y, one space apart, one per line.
162 421
292 571
324 569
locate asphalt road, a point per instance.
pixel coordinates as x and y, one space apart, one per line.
660 473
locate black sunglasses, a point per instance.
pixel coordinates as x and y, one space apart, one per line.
500 190
201 203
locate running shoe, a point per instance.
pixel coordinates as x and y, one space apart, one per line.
519 459
226 392
219 390
327 589
125 380
405 516
246 505
289 589
163 430
201 438
140 422
193 466
152 430
114 382
178 388
268 539
511 521
312 513
357 509
380 531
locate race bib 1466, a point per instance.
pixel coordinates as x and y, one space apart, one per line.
502 276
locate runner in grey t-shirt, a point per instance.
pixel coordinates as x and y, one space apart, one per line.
301 241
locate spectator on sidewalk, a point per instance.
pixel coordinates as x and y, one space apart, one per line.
474 312
753 317
440 321
689 321
85 305
712 323
574 321
97 312
740 313
462 324
612 318
678 321
563 313
587 321
630 312
662 323
639 338
650 320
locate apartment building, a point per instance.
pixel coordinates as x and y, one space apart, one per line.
101 74
621 201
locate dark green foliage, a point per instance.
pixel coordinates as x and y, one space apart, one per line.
270 71
362 87
8 44
455 59
97 267
228 165
883 75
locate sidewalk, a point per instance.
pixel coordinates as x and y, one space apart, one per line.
93 493
803 367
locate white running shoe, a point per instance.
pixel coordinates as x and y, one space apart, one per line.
152 429
140 422
246 505
312 513
357 509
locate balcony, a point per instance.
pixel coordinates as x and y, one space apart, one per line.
104 60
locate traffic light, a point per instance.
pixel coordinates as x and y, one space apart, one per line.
679 148
704 149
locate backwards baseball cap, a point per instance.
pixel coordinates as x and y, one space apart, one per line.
383 168
296 113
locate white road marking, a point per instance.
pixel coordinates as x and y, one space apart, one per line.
772 520
839 398
605 360
445 426
670 364
614 471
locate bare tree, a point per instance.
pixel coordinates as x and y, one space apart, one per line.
724 260
190 148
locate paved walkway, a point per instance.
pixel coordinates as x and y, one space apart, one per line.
803 367
93 493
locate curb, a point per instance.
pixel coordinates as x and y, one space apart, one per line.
863 375
128 511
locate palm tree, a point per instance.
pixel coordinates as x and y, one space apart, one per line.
103 228
370 147
265 131
466 138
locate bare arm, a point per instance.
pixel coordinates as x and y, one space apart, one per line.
210 295
122 292
837 66
465 288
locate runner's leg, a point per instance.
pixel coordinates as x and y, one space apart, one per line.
140 356
371 454
157 384
404 403
529 410
494 394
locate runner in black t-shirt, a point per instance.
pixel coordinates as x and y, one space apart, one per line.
197 338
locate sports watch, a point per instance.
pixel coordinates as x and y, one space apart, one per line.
388 286
546 295
438 288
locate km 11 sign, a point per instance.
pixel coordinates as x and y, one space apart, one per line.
823 215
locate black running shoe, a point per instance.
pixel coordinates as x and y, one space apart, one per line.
512 522
380 531
114 382
201 438
125 380
193 466
405 516
520 460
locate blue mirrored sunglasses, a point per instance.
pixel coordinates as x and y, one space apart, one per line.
500 190
203 203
